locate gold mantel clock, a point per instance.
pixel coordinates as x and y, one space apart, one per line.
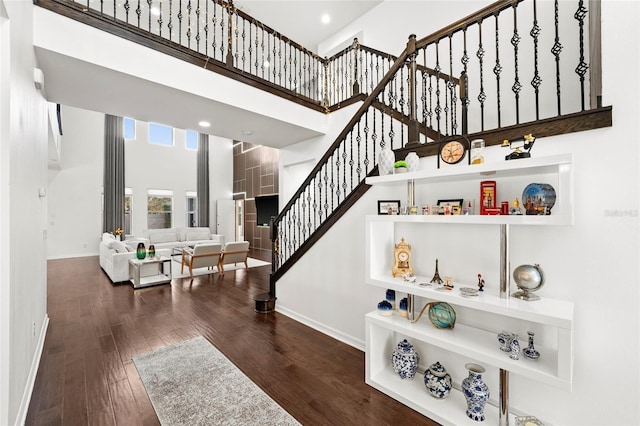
402 259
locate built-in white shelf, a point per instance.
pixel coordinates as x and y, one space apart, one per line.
559 166
412 393
512 168
555 368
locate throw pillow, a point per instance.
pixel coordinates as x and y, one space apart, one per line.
119 246
198 236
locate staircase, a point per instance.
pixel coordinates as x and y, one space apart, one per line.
498 74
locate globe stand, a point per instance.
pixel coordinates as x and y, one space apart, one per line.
526 295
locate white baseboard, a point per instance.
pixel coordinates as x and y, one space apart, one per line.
31 379
329 331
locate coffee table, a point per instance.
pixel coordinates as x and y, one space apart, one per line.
150 271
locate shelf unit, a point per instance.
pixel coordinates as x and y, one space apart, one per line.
554 368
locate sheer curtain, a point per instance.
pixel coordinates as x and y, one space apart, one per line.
202 186
113 182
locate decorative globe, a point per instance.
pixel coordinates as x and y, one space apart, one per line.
528 278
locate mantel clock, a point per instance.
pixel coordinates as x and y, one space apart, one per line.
402 259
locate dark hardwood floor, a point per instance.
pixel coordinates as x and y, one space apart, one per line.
86 375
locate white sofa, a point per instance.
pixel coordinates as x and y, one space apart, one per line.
115 255
180 237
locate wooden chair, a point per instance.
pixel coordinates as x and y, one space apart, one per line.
201 255
234 252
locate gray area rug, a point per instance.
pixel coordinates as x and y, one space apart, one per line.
193 383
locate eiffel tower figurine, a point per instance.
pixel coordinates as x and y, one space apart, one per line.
436 277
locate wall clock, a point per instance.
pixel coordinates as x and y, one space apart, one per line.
454 150
402 259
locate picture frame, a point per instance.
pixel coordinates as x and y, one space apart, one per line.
452 202
385 205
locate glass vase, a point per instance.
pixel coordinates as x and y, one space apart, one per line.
141 252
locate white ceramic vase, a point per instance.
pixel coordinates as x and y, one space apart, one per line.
385 162
413 161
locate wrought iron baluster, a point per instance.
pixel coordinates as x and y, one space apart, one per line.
555 50
149 14
351 162
437 69
127 6
482 96
170 24
223 39
366 161
515 42
206 29
138 12
326 192
160 19
582 67
214 24
452 91
189 24
198 26
244 46
497 69
537 80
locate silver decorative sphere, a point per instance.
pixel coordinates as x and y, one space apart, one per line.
528 278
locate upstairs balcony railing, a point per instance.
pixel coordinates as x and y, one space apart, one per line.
218 35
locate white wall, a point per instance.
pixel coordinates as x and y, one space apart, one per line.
75 200
23 168
593 263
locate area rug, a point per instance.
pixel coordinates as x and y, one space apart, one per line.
192 383
176 264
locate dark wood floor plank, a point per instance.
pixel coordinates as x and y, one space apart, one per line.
99 405
100 326
124 405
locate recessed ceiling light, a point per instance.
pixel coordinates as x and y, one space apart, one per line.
247 132
325 19
155 11
204 123
265 64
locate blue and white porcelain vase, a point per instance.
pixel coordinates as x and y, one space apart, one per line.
404 360
515 348
386 159
437 381
475 391
413 161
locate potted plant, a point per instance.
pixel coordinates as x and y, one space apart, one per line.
400 166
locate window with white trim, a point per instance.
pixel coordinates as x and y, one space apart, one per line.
128 213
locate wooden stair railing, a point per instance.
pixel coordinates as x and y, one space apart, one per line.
441 114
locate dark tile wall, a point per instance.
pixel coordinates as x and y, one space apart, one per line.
255 172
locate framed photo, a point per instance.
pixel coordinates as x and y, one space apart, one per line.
388 206
453 202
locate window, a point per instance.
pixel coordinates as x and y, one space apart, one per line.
129 128
159 209
128 195
192 140
160 134
191 209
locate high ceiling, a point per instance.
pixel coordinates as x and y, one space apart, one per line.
86 85
300 20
